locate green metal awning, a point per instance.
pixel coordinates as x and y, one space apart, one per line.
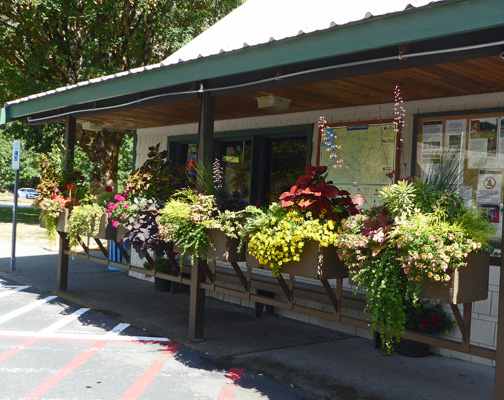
442 19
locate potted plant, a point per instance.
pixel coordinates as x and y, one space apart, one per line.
132 214
181 222
420 234
205 224
162 265
86 220
59 192
424 317
297 236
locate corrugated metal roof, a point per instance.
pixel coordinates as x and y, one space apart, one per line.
258 22
261 21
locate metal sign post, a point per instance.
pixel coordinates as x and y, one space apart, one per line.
16 156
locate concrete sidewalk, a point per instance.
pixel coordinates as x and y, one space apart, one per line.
324 363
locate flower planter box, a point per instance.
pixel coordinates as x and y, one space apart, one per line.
226 248
62 223
316 262
467 284
103 227
112 233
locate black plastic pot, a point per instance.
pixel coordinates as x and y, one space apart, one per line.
162 285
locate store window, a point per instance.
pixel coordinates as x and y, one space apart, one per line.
467 152
236 161
260 163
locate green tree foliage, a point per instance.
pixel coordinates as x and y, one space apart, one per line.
45 44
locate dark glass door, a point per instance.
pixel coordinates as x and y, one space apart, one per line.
285 161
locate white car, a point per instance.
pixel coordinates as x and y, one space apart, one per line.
27 193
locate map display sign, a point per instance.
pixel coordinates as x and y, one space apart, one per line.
365 157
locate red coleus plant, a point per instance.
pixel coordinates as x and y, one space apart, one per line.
312 193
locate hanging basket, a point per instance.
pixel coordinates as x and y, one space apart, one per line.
316 262
467 284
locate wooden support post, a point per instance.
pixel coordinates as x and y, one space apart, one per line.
68 164
196 302
206 128
499 360
62 274
206 119
499 357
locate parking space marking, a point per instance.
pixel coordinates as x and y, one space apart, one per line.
40 390
25 309
11 290
150 373
117 329
65 321
232 378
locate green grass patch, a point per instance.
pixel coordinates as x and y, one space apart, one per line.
25 215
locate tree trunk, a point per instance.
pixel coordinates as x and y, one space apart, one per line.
102 147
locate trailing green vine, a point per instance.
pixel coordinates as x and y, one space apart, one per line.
84 221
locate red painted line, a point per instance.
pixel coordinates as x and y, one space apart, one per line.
8 353
82 338
40 390
233 378
150 373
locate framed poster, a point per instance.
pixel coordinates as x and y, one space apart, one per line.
361 157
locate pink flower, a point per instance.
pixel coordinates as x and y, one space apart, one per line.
125 205
115 223
119 197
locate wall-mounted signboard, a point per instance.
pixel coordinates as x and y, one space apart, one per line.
362 157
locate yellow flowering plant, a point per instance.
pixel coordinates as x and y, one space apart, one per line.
311 210
282 238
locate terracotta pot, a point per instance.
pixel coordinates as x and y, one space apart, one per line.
316 262
467 284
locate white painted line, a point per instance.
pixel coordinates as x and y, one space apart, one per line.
64 321
117 329
25 309
13 289
79 337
